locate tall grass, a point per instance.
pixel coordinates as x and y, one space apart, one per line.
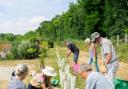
122 51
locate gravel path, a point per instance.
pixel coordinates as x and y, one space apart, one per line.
5 73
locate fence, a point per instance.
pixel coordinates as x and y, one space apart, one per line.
67 80
125 39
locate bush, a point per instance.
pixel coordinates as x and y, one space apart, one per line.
14 50
43 55
24 49
10 56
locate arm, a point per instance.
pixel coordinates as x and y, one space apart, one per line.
43 85
107 52
108 58
68 53
94 52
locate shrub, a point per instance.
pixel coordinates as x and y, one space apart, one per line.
43 55
10 56
25 49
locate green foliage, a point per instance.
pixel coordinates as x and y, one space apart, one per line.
25 49
22 49
31 50
43 55
10 56
7 37
109 17
14 50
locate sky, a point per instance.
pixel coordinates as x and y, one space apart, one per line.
21 16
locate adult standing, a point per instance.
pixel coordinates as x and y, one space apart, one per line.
72 48
94 80
17 81
92 53
109 56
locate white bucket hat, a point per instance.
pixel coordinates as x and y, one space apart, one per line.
94 36
49 71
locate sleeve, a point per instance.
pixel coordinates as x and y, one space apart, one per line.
69 46
106 48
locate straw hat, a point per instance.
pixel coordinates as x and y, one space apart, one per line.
87 41
49 71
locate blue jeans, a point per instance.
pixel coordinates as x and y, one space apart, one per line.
96 64
75 58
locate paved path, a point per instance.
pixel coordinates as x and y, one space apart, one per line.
5 73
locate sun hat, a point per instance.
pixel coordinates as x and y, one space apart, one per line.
49 71
87 41
94 36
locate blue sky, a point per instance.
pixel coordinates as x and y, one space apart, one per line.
21 16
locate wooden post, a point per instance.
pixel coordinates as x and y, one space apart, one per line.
126 39
117 40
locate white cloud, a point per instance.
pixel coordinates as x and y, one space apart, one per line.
20 25
37 19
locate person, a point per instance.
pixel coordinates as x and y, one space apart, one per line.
94 80
17 81
72 48
109 56
42 80
92 52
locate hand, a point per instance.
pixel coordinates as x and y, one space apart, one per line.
103 69
94 61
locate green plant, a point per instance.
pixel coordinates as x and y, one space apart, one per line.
22 49
43 55
10 56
